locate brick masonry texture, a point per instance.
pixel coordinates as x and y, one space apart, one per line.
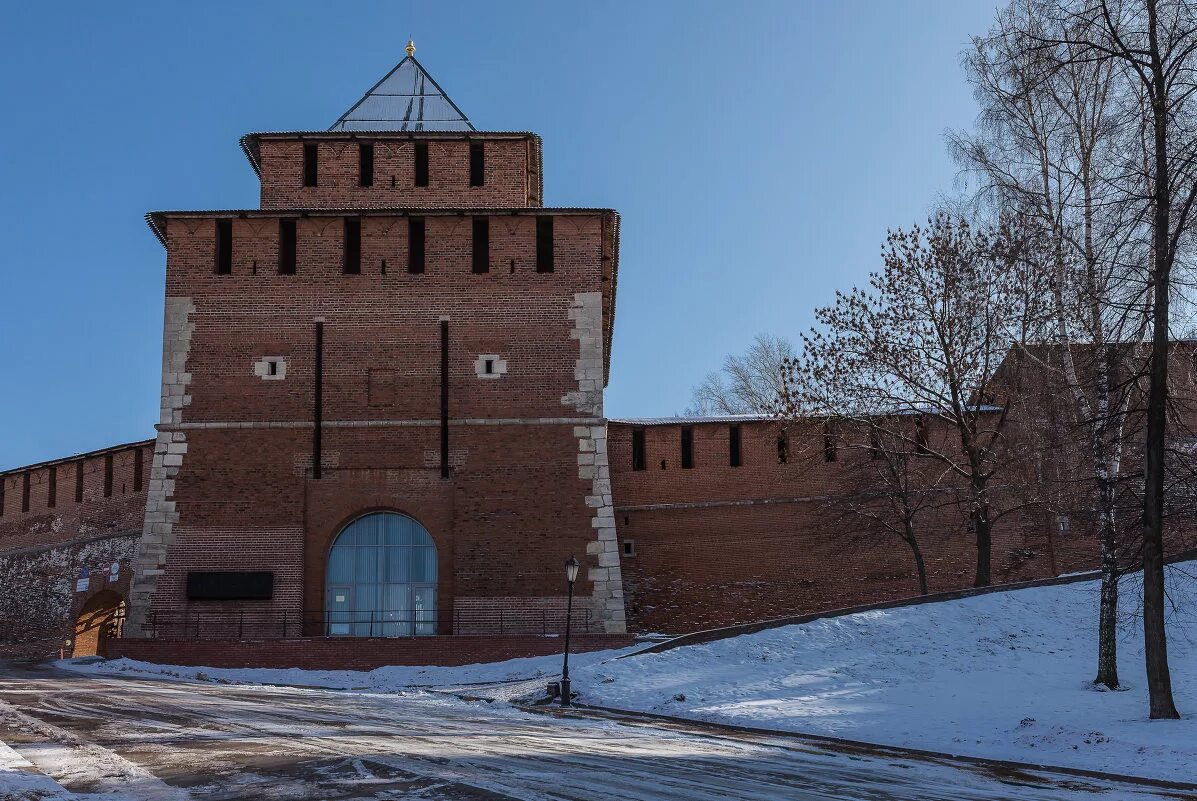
45 550
535 472
717 545
234 487
511 175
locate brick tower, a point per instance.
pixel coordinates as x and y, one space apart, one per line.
382 391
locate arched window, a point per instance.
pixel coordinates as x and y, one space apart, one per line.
381 578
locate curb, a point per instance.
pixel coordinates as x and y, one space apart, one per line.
846 745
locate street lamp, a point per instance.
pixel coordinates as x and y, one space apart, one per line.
571 575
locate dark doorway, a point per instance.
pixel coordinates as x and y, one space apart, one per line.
102 618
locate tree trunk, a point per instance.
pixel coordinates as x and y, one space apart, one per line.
1155 643
984 532
918 557
1107 626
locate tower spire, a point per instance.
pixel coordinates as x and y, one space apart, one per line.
406 99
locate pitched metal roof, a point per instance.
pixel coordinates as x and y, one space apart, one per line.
693 419
141 443
697 419
155 219
406 99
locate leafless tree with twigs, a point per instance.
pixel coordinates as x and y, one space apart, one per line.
748 383
1054 141
926 339
1150 47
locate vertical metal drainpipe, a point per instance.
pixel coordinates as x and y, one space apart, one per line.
318 411
444 398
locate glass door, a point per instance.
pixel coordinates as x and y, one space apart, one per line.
424 609
396 619
340 610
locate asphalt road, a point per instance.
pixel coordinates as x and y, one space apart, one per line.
132 738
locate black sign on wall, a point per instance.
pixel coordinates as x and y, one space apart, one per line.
238 585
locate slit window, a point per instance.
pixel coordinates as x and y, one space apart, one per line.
25 491
365 164
481 245
477 164
874 444
829 447
224 247
138 469
286 246
415 244
544 244
733 445
783 449
311 163
920 437
52 488
629 547
352 264
421 154
79 482
108 476
638 460
687 447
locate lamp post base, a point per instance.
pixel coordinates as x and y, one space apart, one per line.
565 693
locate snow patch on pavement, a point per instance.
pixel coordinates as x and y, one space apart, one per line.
21 781
1002 676
52 753
1005 675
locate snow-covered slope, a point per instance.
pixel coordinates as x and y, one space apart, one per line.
1005 675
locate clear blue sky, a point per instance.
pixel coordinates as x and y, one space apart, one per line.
757 151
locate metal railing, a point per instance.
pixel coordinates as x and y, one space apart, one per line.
259 624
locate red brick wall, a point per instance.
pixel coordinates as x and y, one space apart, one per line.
716 544
515 506
68 520
44 551
511 175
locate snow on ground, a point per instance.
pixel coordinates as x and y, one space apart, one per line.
1005 675
20 781
382 679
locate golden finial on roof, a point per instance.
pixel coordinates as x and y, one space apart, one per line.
411 47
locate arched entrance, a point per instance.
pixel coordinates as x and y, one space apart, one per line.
381 578
102 617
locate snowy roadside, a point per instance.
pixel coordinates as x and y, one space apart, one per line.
1003 676
385 679
999 676
21 781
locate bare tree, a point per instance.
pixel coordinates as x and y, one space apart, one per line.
927 339
889 488
1052 143
747 384
1153 45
